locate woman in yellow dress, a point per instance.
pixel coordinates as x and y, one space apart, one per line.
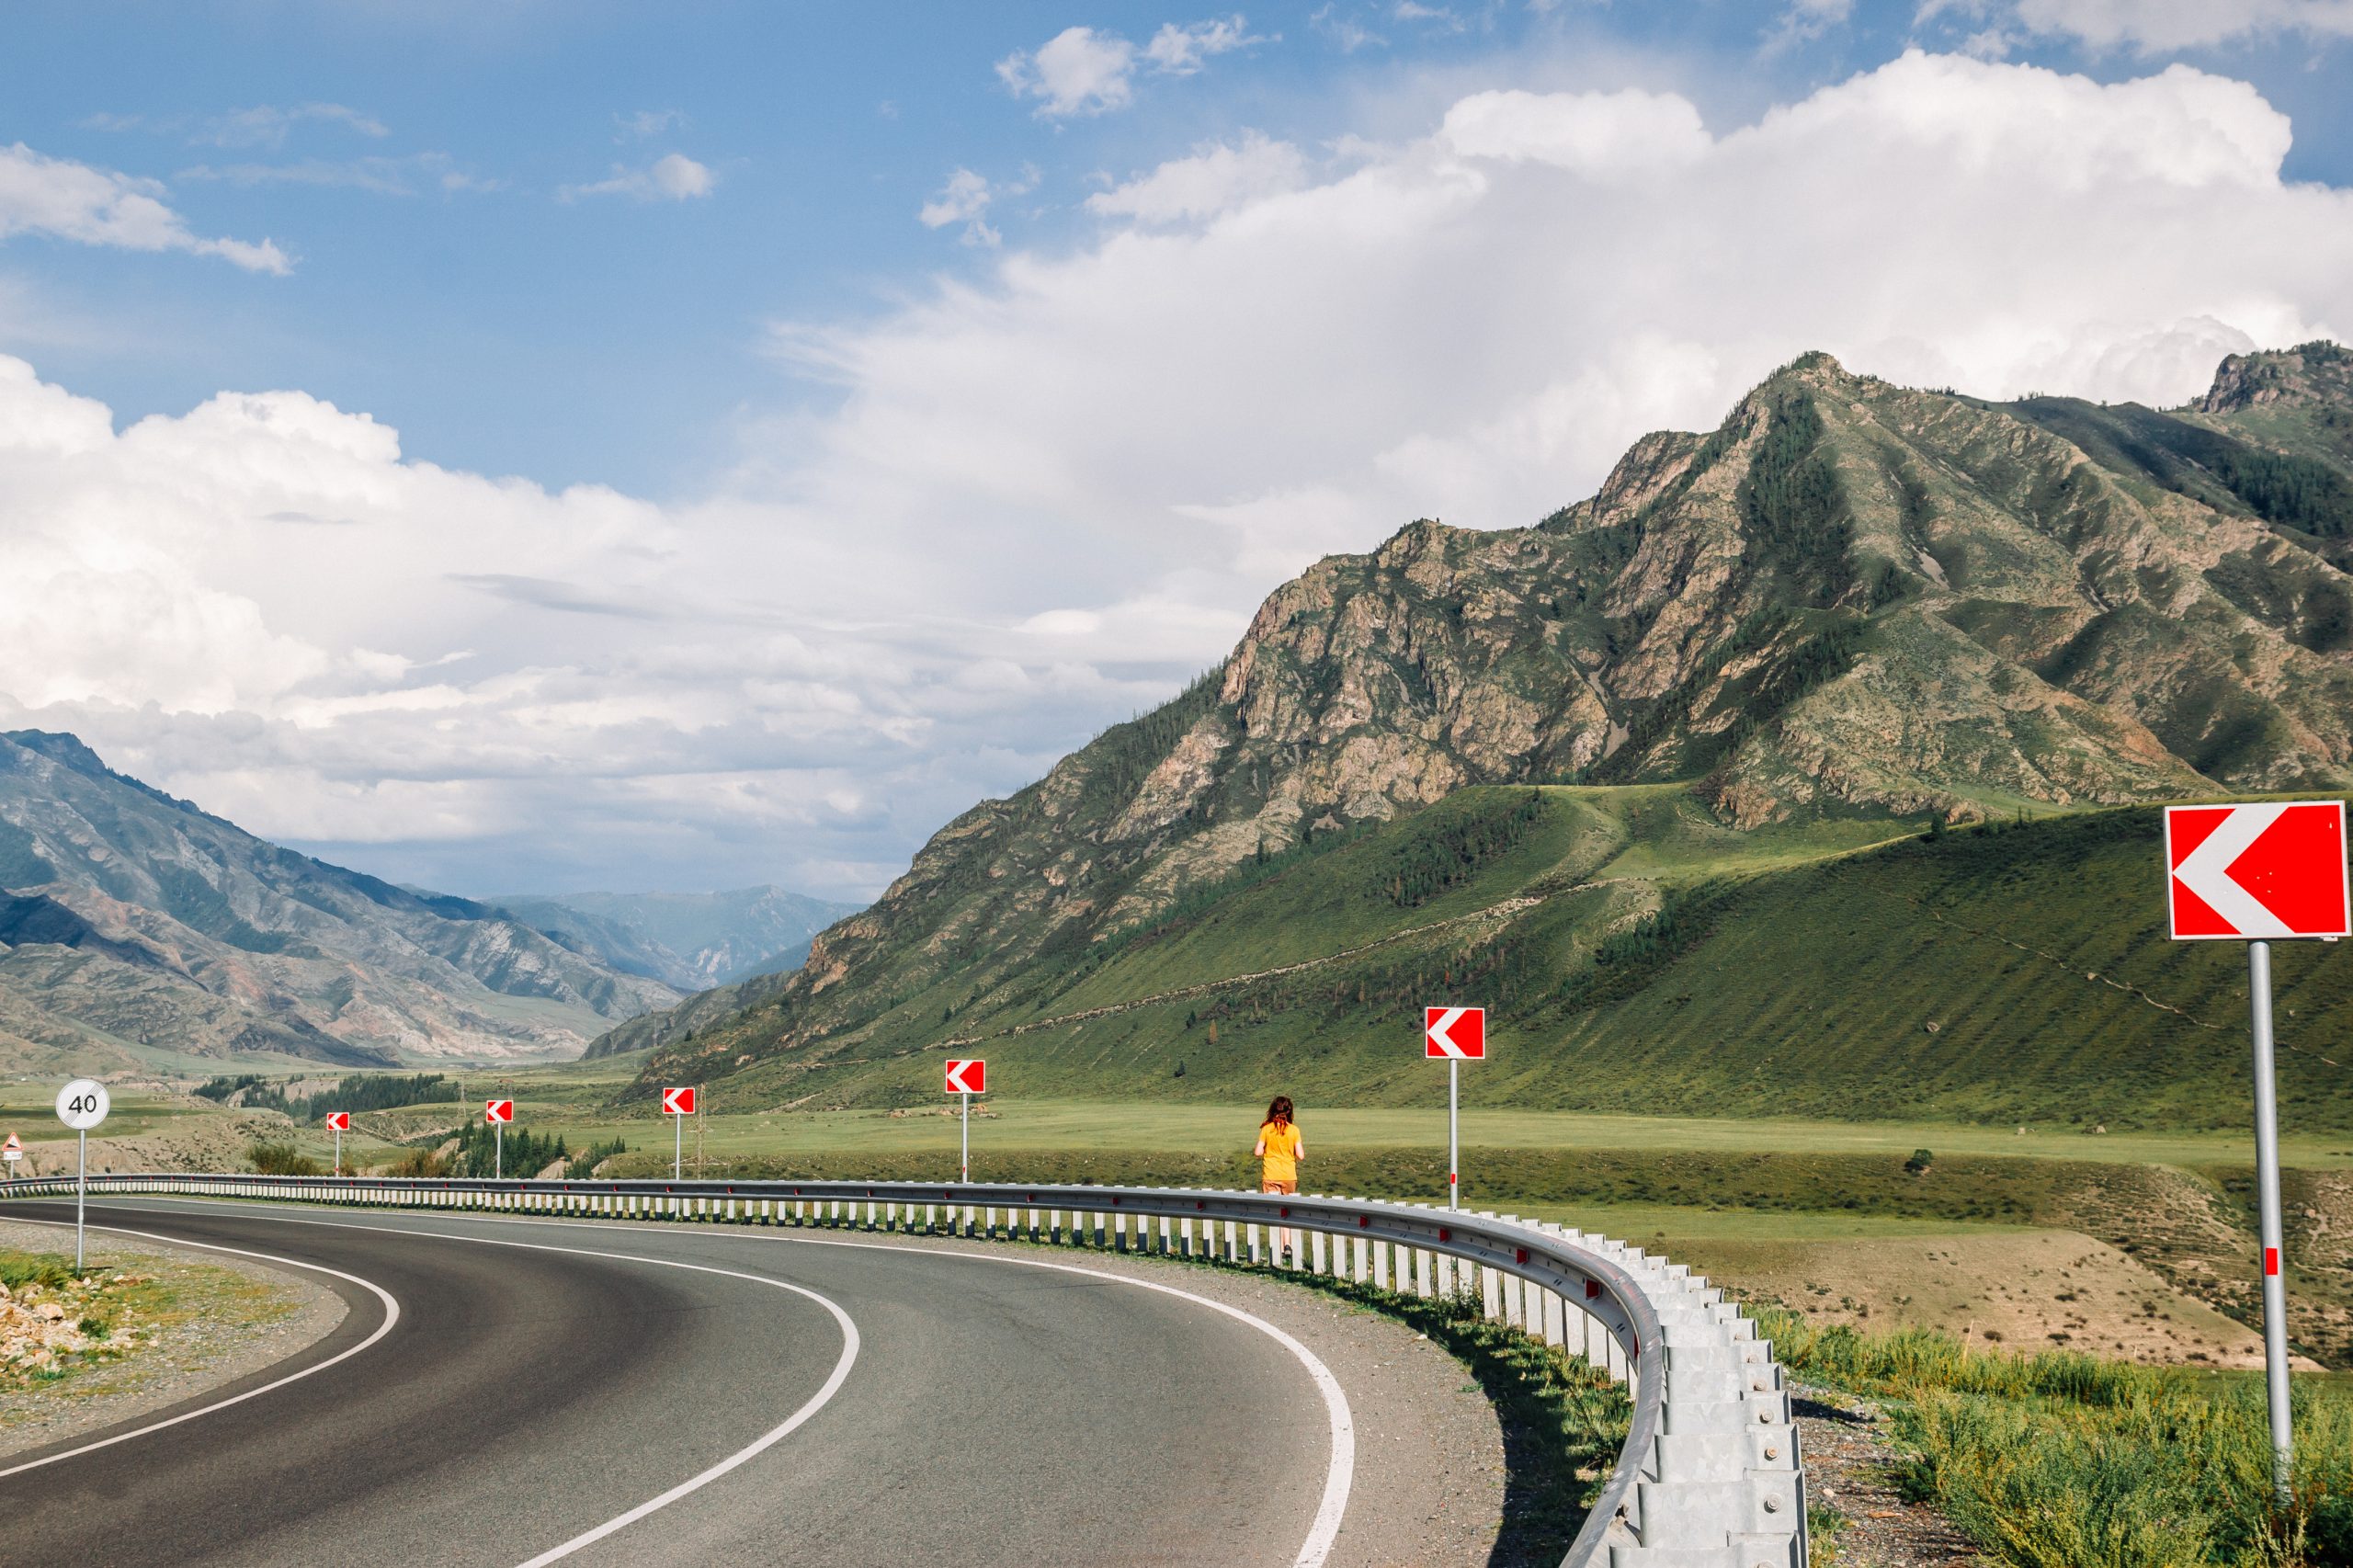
1280 1149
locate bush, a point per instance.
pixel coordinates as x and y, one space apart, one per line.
281 1159
1920 1161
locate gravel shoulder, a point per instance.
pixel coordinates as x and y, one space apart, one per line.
230 1317
1850 1472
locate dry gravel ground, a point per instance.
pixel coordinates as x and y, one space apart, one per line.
232 1316
1849 1468
1428 1490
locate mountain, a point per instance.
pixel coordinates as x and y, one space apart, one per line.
1852 605
689 941
135 927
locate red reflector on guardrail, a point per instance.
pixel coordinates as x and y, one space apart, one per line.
1593 1289
1519 1254
1444 1234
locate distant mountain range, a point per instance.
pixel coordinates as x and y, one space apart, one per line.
139 931
1852 603
689 941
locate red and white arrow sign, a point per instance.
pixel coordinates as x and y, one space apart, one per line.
1458 1032
498 1111
968 1077
678 1102
2257 872
338 1122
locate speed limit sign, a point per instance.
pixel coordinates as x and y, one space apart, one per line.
82 1104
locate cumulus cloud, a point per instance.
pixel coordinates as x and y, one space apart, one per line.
1125 443
673 176
1218 177
1082 71
73 201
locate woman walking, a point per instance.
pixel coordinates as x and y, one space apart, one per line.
1280 1149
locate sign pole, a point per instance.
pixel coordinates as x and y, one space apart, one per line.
2266 1178
964 1164
498 1153
80 1193
1453 1147
678 1148
339 1152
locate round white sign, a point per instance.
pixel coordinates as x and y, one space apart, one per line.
82 1104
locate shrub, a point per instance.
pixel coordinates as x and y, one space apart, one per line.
281 1159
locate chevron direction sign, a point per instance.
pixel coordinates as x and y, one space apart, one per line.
1459 1033
338 1122
968 1077
2264 872
498 1113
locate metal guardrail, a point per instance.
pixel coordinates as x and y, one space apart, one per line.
1710 1476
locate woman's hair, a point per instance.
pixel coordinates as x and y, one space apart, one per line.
1280 1110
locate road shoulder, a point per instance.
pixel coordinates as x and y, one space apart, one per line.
232 1317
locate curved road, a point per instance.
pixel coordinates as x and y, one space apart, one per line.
543 1381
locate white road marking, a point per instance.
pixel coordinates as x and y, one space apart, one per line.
1337 1479
392 1316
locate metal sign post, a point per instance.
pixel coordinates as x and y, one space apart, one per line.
81 1104
1458 1035
677 1105
1453 1143
2267 1182
2259 873
339 1152
967 1078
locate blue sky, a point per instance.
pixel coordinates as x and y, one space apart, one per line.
812 418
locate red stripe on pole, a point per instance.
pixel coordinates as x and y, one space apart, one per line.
2270 1260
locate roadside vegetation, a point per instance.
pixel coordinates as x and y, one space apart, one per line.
2060 1459
54 1322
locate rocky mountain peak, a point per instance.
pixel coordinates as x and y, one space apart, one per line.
2316 372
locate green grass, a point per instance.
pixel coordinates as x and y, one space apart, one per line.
1812 972
2063 1460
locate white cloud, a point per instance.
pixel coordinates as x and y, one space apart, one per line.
673 176
267 126
1041 495
1082 71
1442 18
1344 31
966 198
1605 136
68 200
1803 21
384 175
1179 50
648 122
2154 27
1218 177
1078 71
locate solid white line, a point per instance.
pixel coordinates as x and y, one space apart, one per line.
767 1441
1337 1479
392 1316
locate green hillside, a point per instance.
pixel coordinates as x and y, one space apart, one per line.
1640 957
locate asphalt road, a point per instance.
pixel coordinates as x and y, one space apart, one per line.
526 1396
